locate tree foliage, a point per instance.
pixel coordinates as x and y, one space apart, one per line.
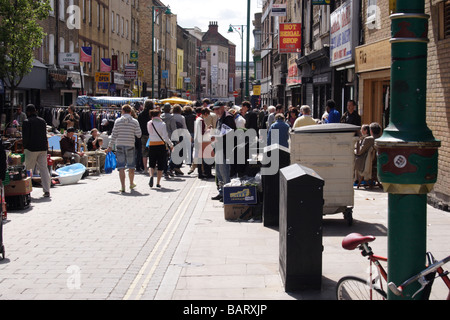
20 35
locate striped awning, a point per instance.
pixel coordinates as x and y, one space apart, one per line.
83 100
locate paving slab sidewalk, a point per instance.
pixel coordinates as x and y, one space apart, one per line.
223 260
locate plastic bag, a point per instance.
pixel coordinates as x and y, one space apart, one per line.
110 162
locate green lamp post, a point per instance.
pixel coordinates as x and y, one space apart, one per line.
240 31
168 12
407 151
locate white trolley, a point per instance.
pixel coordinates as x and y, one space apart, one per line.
328 149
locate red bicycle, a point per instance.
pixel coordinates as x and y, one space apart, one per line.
355 288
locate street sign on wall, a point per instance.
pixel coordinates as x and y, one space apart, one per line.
290 38
68 59
134 56
279 10
103 77
130 74
342 36
321 2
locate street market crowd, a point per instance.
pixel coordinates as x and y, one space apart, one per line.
144 136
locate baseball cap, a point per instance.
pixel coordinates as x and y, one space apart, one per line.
218 104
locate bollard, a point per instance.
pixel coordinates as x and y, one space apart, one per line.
271 184
300 231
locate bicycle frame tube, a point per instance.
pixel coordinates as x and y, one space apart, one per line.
376 260
445 278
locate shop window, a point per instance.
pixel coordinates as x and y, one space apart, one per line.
447 19
444 20
373 15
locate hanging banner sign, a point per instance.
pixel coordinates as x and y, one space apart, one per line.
86 54
290 38
105 65
114 63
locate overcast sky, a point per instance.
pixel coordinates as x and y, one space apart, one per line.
198 13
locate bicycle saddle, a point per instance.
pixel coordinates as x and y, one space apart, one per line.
353 240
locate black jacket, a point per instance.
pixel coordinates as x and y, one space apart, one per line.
251 120
35 134
221 143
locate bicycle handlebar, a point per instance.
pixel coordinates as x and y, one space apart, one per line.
398 291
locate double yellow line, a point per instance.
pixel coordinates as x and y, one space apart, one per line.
163 242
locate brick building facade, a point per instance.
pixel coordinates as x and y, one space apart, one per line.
373 64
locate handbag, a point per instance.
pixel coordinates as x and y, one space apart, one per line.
167 147
110 162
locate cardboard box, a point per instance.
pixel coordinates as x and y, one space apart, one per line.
245 195
242 212
20 187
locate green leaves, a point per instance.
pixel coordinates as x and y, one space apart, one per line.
20 35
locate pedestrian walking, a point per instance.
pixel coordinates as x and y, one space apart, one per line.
126 128
283 131
180 122
334 116
171 126
35 143
306 119
222 155
250 116
158 145
72 119
143 119
351 116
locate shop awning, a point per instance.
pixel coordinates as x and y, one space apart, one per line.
83 100
176 100
36 79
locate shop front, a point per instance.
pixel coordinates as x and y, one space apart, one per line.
373 67
294 85
29 90
344 38
316 78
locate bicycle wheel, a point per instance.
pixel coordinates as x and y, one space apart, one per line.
354 288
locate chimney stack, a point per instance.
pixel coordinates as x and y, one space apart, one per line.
213 27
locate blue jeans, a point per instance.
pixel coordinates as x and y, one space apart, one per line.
125 158
222 175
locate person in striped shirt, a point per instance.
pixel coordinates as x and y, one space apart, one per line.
126 128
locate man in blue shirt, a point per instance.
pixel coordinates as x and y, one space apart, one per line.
333 115
283 131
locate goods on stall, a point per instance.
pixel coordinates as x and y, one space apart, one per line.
18 194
